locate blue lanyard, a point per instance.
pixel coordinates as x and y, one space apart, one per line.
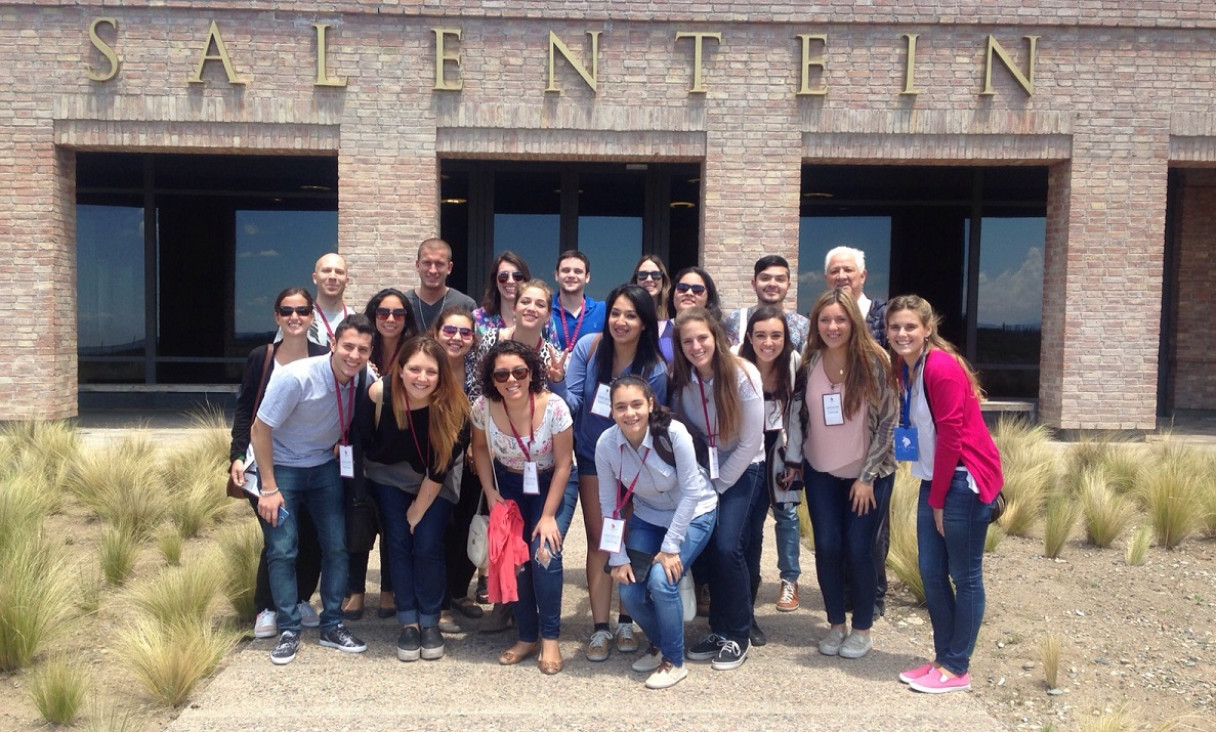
905 412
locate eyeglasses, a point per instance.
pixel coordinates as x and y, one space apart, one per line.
302 310
384 313
652 274
451 330
519 372
685 287
516 275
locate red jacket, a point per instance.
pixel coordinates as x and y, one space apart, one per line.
507 551
962 436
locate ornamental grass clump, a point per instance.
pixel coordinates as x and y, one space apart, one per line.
1137 546
35 596
1049 655
1058 523
122 485
170 660
57 687
117 552
1170 489
1105 513
43 450
903 558
182 596
994 537
170 543
1029 463
240 550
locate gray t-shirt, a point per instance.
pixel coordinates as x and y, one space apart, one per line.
425 314
301 408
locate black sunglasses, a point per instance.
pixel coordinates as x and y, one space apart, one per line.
301 310
516 275
685 287
652 274
383 313
519 372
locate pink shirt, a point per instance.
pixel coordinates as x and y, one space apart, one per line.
839 449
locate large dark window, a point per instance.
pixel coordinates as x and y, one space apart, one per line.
969 240
180 258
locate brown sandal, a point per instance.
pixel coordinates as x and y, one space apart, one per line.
549 667
518 652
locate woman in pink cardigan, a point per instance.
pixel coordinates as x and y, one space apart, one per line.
942 434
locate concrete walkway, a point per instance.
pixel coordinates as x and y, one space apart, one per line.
786 684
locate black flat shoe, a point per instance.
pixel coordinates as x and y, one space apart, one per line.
757 636
386 612
353 614
467 608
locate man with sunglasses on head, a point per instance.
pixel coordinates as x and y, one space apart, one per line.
771 282
432 295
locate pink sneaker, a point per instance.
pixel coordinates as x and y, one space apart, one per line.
912 674
939 683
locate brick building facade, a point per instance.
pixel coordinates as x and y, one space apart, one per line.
1113 99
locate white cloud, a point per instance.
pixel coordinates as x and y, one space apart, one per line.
1013 297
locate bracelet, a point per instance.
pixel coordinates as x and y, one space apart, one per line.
268 493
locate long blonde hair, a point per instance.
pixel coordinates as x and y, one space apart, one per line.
449 409
726 371
860 352
930 320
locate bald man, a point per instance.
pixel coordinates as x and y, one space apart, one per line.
330 277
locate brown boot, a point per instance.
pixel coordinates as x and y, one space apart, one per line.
498 619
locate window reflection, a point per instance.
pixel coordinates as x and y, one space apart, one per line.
110 291
1009 316
276 250
817 235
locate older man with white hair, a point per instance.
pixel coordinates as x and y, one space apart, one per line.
844 268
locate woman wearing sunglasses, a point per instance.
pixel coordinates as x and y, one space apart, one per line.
394 320
628 345
523 446
412 427
455 331
497 309
293 314
693 288
651 275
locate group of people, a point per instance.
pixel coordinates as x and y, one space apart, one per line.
676 424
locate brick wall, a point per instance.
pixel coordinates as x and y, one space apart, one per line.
1116 100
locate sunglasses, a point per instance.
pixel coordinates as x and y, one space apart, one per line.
384 313
653 274
507 276
451 330
302 310
685 287
519 372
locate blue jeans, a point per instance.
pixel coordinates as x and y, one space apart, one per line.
754 543
565 512
844 539
319 490
417 561
730 611
954 611
538 613
789 542
654 602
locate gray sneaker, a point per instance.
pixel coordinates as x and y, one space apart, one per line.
856 645
831 643
339 637
285 650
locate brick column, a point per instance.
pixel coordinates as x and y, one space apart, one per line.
1103 278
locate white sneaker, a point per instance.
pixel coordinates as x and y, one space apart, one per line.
856 645
308 616
266 625
831 643
667 675
648 661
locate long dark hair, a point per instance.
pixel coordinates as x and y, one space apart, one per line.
861 352
726 372
509 347
408 328
712 304
781 366
648 354
662 309
491 301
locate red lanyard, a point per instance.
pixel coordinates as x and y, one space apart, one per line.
713 439
342 423
325 320
409 417
622 501
578 324
531 430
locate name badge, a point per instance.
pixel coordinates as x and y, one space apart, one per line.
602 406
613 535
531 484
251 473
346 461
772 415
833 414
713 463
907 446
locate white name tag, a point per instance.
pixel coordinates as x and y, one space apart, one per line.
832 412
713 463
612 536
531 484
346 461
602 406
251 473
772 415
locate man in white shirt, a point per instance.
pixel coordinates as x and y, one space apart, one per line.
330 277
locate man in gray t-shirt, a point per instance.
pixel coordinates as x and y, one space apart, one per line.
306 411
432 294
